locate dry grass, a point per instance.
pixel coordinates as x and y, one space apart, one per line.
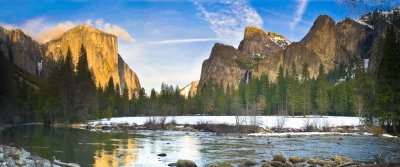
226 128
376 130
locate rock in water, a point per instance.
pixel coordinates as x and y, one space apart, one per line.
296 159
223 164
162 155
279 157
250 162
266 165
185 163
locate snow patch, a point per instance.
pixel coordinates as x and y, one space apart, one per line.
282 42
264 121
365 24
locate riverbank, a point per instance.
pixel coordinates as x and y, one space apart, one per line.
278 126
279 160
12 156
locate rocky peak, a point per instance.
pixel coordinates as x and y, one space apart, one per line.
253 31
102 53
256 41
221 63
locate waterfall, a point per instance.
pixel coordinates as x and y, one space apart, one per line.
247 76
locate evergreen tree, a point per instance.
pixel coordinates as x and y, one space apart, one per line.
87 102
293 89
306 89
388 79
321 92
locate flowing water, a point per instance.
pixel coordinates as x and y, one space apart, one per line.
140 148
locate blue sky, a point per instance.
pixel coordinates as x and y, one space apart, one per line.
167 40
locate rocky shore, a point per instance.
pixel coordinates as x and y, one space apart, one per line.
294 161
18 157
12 156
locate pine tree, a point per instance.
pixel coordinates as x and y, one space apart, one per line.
86 99
293 90
306 89
110 95
321 92
388 79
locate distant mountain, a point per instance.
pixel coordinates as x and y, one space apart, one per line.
101 47
190 89
326 43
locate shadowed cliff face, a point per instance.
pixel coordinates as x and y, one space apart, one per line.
326 42
20 49
221 67
128 78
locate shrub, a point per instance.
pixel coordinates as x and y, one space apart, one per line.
376 130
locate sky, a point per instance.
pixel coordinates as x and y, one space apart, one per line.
167 40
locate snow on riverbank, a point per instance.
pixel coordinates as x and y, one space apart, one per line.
263 121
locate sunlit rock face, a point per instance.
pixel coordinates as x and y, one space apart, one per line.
102 54
101 48
318 46
190 89
20 49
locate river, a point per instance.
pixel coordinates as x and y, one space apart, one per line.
140 148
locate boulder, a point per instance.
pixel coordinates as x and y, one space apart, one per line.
279 157
250 162
185 163
296 159
276 164
162 155
341 160
19 162
221 164
172 164
289 164
266 164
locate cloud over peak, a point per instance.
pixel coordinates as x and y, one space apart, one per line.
228 19
43 31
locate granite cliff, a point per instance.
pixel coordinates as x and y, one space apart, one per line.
101 48
328 43
20 49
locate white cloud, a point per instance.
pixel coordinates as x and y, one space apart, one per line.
298 16
112 29
176 41
43 31
228 19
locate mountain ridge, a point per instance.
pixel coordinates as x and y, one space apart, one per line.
327 43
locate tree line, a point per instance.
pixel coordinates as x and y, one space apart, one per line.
69 93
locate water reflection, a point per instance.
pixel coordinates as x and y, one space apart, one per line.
189 148
140 148
124 154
